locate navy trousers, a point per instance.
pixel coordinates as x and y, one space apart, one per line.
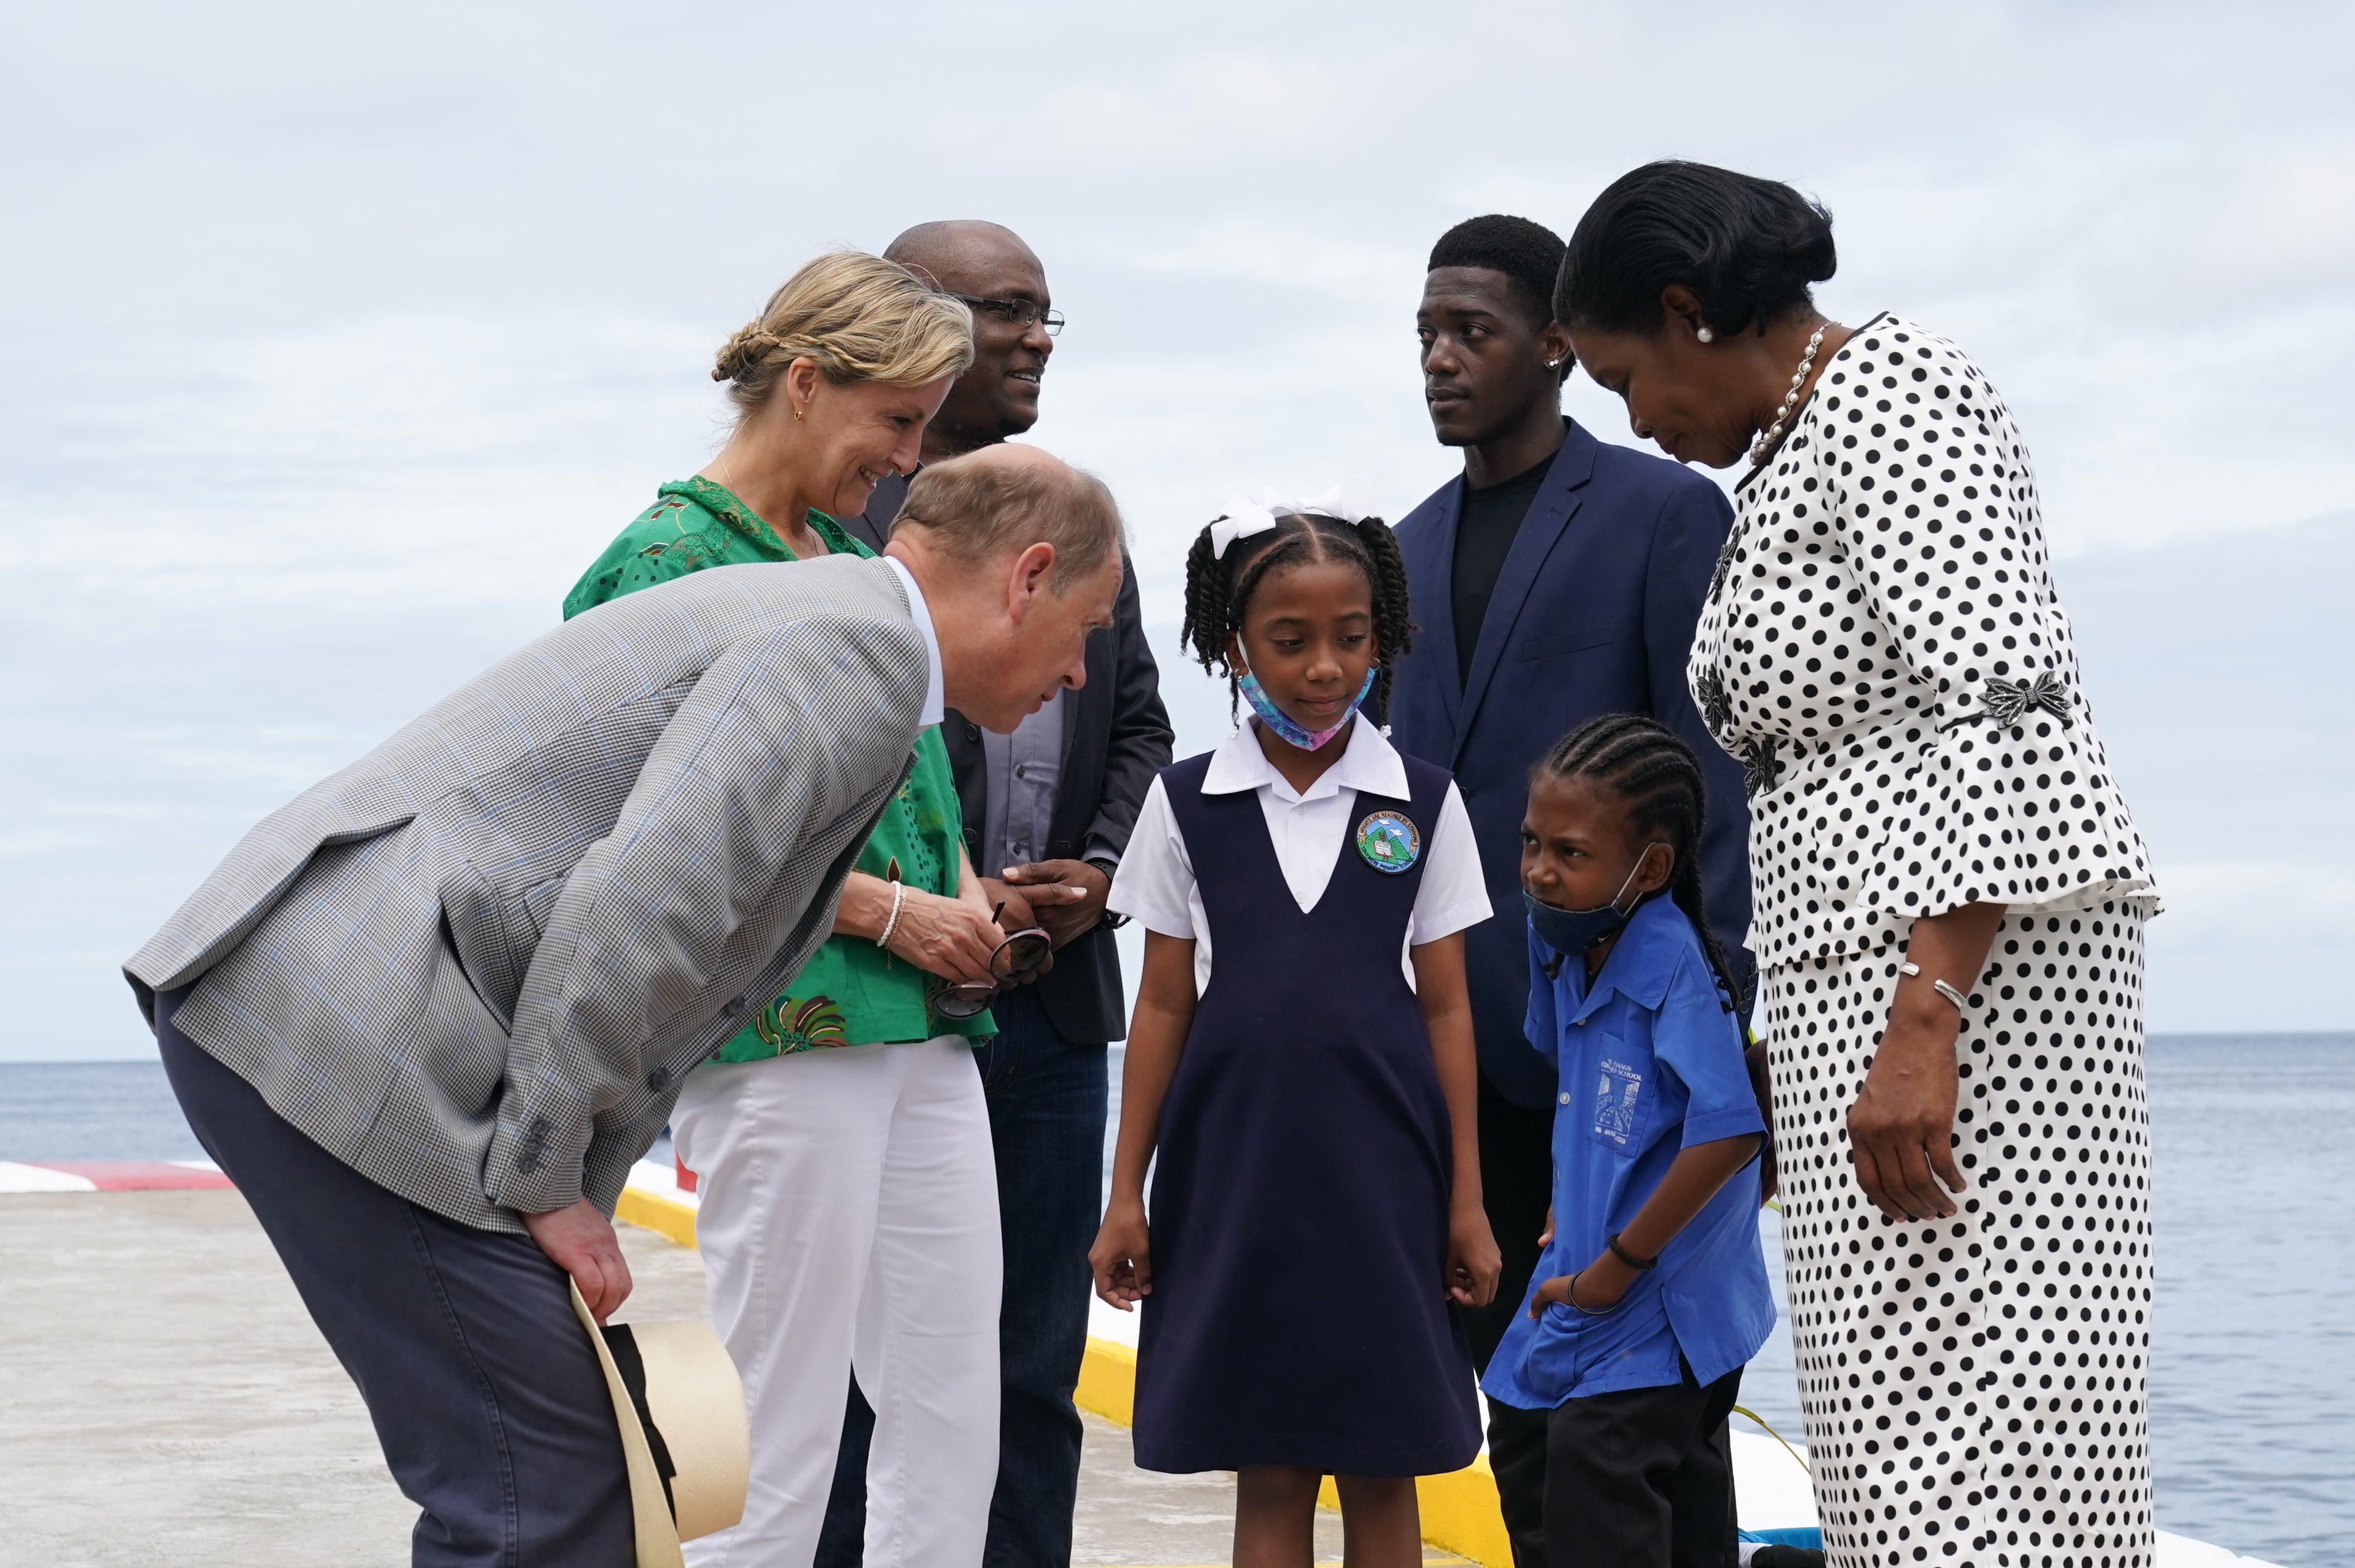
485 1394
1046 1099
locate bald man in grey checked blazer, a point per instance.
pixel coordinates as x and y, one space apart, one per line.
428 1014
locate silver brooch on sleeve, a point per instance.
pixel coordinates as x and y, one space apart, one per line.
2008 703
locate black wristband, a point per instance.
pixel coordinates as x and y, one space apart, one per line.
1629 1259
1107 920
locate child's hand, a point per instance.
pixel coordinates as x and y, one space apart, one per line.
1122 1256
1599 1287
1546 1239
1473 1261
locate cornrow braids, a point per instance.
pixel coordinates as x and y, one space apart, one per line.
1650 768
1218 592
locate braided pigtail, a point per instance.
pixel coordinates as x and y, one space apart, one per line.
1205 627
1394 625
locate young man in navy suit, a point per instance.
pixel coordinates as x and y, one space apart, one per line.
1558 578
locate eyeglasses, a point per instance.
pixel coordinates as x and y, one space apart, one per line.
1017 312
1013 961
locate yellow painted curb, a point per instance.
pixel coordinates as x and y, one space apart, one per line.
1460 1512
1108 1382
675 1221
1459 1509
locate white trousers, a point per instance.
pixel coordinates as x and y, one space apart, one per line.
849 1221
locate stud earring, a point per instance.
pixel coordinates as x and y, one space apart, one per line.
1553 365
1706 335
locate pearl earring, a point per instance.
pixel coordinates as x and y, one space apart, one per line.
1706 335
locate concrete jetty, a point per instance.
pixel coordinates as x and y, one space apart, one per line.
168 1401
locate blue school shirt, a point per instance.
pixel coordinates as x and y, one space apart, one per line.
1650 1062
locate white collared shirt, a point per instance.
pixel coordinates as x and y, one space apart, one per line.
1156 886
935 692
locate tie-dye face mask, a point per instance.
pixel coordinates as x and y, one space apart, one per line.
1277 720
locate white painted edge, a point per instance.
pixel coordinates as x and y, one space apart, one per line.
2183 1552
661 1181
18 1178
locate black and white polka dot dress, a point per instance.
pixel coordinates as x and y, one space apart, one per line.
1883 651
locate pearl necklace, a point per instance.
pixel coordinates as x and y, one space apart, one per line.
1790 400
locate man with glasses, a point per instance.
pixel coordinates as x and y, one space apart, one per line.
1048 808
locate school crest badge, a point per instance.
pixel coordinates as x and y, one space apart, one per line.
1389 842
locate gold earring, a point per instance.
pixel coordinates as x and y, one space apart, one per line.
797 414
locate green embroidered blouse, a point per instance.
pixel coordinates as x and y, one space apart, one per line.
851 992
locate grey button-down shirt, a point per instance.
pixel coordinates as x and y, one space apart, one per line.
1021 772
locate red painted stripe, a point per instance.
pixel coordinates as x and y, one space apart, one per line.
135 1175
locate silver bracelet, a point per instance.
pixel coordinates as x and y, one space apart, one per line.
1590 1311
898 897
1962 1003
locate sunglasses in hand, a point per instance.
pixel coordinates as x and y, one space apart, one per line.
1014 961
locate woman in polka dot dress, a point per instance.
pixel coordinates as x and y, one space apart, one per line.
1951 893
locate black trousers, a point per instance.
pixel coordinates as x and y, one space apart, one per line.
1516 1188
1643 1477
485 1394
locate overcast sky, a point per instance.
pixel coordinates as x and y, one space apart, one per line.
337 344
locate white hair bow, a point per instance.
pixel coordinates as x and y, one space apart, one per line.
1246 515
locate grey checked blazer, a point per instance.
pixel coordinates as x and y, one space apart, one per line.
476 964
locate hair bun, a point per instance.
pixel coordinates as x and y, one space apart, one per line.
1749 247
1811 255
741 353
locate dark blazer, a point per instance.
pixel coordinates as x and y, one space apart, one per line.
1116 736
1594 614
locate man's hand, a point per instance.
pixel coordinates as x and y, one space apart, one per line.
1013 907
579 1240
1015 914
1066 896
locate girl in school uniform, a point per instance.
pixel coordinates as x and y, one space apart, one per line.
1301 1058
1651 1292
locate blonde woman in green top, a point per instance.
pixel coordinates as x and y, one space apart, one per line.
849 1200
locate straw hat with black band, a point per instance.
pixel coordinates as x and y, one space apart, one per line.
680 1406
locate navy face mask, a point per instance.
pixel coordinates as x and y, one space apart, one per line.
1572 931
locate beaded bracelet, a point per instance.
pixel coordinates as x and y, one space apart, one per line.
898 897
1629 1259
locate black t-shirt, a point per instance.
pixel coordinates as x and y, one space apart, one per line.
1483 536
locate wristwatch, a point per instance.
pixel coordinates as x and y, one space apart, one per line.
1111 868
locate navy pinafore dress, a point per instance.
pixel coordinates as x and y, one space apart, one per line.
1300 1194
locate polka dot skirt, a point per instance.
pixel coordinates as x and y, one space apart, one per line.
1975 1388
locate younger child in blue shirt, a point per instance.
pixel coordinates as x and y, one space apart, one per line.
1651 1292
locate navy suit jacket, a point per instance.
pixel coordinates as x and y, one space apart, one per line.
1594 614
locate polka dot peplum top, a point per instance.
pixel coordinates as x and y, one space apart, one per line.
1883 650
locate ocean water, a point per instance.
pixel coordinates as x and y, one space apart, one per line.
2253 1380
2252 1372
